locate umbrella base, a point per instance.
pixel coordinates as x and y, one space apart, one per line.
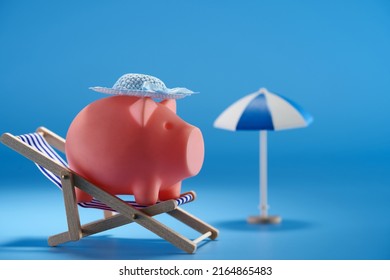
264 219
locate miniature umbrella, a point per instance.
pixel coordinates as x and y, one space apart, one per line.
263 111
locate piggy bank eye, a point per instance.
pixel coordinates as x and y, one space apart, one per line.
168 125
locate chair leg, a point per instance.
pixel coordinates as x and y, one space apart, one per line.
72 213
153 225
194 222
117 220
91 228
111 222
167 233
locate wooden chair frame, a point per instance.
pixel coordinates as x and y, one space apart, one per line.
126 213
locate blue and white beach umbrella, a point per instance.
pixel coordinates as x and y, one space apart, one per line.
263 111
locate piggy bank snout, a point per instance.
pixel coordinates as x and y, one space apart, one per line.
195 151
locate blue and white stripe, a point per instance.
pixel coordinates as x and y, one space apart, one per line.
94 203
263 110
38 142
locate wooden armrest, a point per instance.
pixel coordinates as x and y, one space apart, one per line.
52 138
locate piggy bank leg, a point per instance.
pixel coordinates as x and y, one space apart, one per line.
82 196
170 192
146 193
108 214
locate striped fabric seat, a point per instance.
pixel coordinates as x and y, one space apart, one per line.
38 142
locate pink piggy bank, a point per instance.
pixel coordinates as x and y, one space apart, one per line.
136 146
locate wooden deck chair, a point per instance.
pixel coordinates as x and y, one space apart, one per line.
38 148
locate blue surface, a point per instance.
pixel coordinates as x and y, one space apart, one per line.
329 182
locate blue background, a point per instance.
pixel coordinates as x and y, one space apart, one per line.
329 182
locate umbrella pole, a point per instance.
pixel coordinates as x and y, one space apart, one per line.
263 173
263 218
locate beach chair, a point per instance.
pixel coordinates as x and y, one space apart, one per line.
38 148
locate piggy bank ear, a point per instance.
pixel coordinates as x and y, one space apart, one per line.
170 104
142 110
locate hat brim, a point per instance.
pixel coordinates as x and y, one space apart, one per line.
140 93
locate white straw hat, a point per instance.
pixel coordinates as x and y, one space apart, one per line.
143 86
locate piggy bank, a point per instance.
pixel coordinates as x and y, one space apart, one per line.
129 145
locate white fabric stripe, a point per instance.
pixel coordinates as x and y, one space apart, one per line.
284 116
229 118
